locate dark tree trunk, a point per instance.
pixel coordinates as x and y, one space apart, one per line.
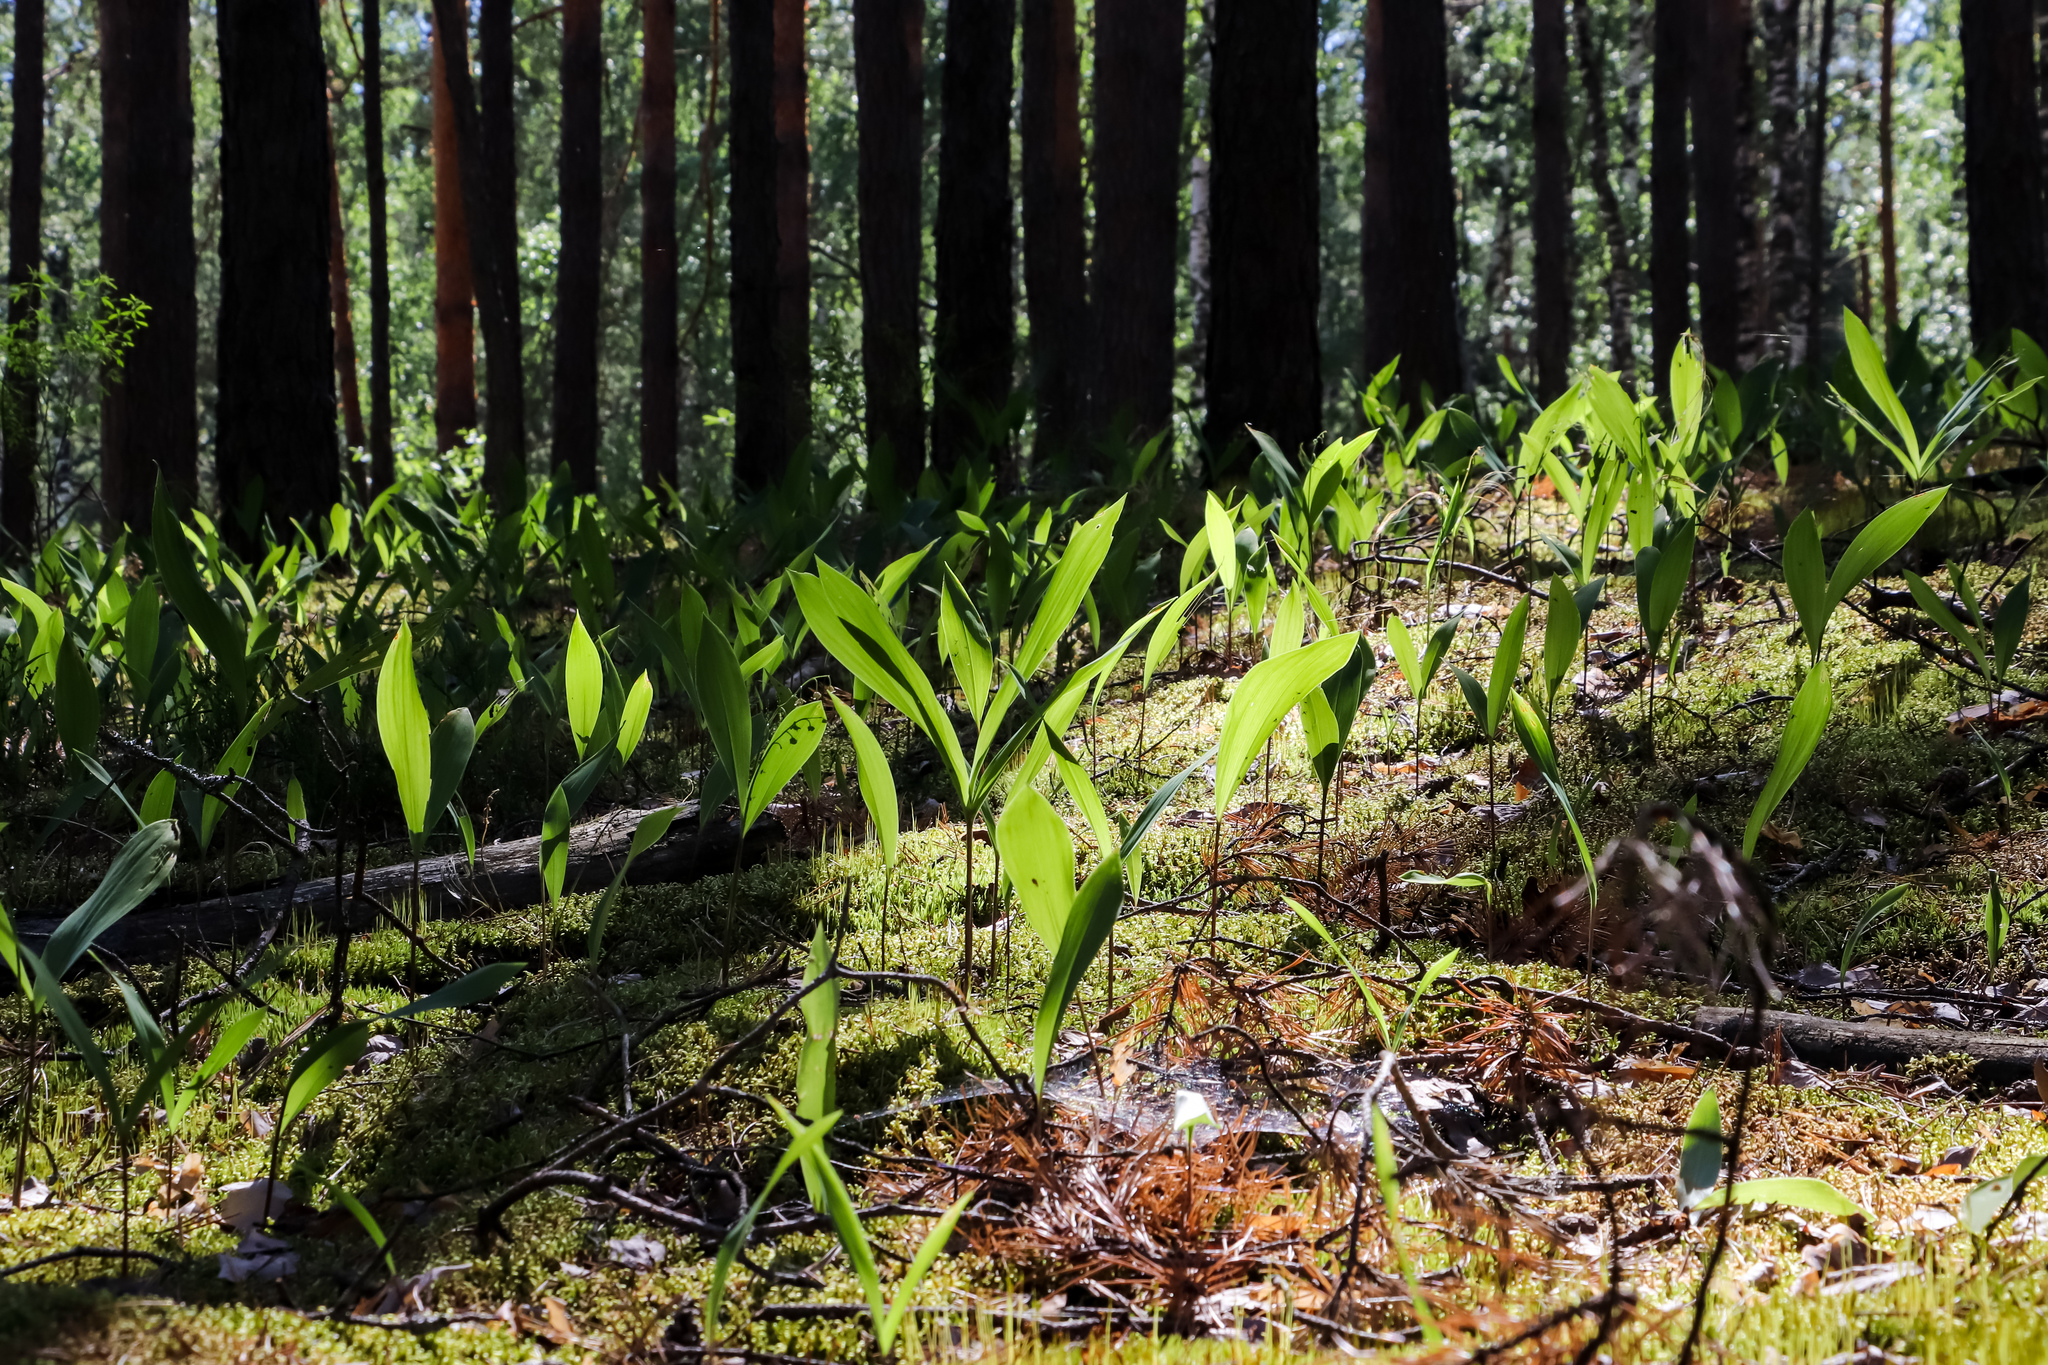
974 331
1887 212
338 307
1550 217
497 228
18 429
454 285
2002 173
576 264
658 349
1719 88
888 72
382 469
149 423
1055 236
1621 271
1138 67
1785 279
484 158
770 245
1408 226
1264 362
275 451
1670 187
1817 226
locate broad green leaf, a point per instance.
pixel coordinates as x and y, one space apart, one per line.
224 639
2009 624
1433 655
1562 626
877 782
1405 655
320 1065
1534 734
1868 361
722 697
651 830
820 1008
139 634
1074 777
964 641
1262 700
1474 693
789 748
582 683
1809 718
1157 805
1167 633
366 1220
1930 602
633 716
1319 730
1290 618
143 864
1089 921
1038 854
236 762
1798 1192
1888 533
77 699
1699 1153
1986 1201
1222 534
473 988
454 740
403 728
1667 586
49 990
1806 578
1071 578
159 800
1507 662
1615 413
229 1044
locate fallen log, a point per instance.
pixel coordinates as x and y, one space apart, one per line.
1837 1043
506 876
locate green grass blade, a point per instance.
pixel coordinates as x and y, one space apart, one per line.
927 1256
800 1148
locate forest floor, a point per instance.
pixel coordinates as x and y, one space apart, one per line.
1101 1232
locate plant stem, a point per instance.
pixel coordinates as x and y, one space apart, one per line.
28 1095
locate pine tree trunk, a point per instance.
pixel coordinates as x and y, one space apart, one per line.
793 216
454 286
576 263
1621 273
497 228
382 470
1719 88
658 349
1136 173
149 418
343 323
1408 225
974 330
1550 216
1786 274
1670 187
1055 234
2002 174
274 451
888 72
1264 360
1887 202
18 425
1817 226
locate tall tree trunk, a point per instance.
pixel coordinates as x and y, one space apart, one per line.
1055 235
382 470
1621 274
18 426
888 73
1887 210
1670 186
1408 224
770 245
658 349
454 286
2002 174
1818 233
974 235
1719 97
1264 363
1786 277
576 264
1138 66
1550 218
497 227
338 306
149 419
275 451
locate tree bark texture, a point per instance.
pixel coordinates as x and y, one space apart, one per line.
454 286
275 452
1055 233
1817 223
1719 86
1621 273
498 228
18 420
1139 61
1550 215
974 235
659 355
1408 228
1670 185
2002 173
770 246
149 418
888 73
1264 361
576 263
1834 1044
1887 198
338 307
1785 274
383 472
